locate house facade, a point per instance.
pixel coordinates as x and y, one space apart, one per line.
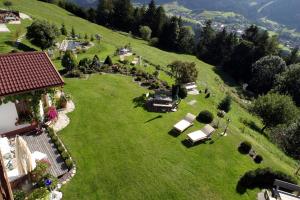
25 79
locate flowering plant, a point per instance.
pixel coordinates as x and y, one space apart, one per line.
52 113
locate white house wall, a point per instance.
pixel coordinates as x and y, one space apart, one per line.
41 110
8 118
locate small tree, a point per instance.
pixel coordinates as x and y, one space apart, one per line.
73 33
42 34
92 37
183 72
108 61
145 32
63 30
275 109
86 37
69 61
7 4
225 104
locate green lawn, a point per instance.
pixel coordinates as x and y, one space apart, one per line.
120 156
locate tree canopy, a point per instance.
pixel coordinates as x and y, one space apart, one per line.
275 109
145 32
264 72
289 82
42 34
69 61
225 104
183 72
288 138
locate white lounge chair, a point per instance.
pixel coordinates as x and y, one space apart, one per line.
202 134
185 123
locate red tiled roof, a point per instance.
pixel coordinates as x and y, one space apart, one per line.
22 72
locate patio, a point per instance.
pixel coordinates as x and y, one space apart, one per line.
42 143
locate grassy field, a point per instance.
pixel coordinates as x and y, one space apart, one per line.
122 154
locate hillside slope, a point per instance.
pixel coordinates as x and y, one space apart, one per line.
111 97
282 11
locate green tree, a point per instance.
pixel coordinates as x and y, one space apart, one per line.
149 16
204 46
69 61
73 33
86 37
92 37
96 63
7 4
63 30
288 138
91 15
264 72
293 57
122 14
225 104
145 32
289 82
275 109
160 19
186 43
170 34
183 72
105 12
108 61
42 34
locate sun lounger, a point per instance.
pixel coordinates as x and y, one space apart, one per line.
202 134
185 123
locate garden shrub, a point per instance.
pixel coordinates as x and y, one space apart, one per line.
54 182
108 61
154 85
258 159
262 178
60 148
138 78
245 147
50 132
39 193
69 163
205 117
182 92
65 155
156 73
40 170
225 104
73 74
54 138
19 195
57 143
207 95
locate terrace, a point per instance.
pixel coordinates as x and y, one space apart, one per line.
42 143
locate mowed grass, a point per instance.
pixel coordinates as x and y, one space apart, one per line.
120 156
123 152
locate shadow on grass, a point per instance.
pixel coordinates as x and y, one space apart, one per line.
154 118
20 46
188 144
240 189
252 125
174 133
228 80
